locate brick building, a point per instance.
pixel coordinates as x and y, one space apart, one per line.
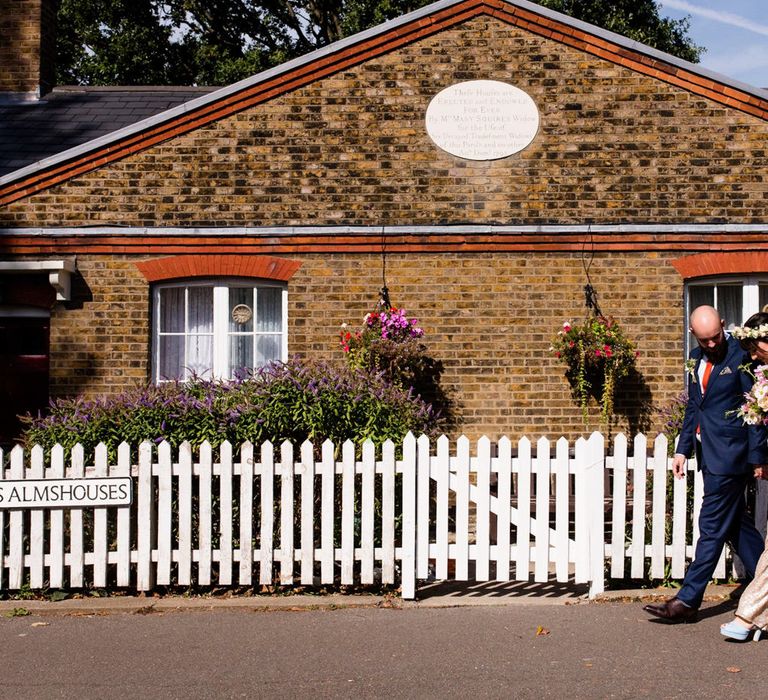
125 248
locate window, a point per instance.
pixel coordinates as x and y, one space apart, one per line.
736 298
215 329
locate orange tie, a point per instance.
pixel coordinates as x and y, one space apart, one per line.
705 378
704 382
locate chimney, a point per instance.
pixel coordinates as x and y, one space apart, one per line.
27 48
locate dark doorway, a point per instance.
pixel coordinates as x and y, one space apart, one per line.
24 350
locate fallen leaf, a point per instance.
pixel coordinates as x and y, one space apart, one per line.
541 631
40 624
733 669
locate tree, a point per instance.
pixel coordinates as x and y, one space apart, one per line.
217 42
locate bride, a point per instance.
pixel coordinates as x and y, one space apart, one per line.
752 613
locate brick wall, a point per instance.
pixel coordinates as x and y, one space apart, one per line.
614 146
488 318
27 45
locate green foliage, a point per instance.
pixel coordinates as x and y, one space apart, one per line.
636 19
598 356
294 401
206 42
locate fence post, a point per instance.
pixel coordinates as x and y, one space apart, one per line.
408 545
595 472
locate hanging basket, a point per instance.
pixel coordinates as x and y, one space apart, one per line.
597 356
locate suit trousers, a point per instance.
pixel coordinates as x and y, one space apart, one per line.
723 518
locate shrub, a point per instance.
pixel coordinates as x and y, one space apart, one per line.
295 401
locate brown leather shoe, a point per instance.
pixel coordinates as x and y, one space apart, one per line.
672 611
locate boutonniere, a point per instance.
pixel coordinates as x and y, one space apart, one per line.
690 368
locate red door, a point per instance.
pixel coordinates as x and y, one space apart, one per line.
24 348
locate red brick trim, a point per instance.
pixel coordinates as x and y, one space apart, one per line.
372 47
239 248
183 266
708 264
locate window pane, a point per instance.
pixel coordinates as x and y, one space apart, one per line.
267 349
241 310
199 355
701 294
172 310
729 304
269 312
763 296
240 354
200 310
171 360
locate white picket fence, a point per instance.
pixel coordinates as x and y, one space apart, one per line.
388 516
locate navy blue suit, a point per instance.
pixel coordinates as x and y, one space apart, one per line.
725 454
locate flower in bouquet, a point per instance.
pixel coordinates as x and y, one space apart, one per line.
754 410
597 355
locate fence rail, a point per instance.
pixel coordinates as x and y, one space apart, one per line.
359 515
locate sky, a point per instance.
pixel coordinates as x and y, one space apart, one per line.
734 32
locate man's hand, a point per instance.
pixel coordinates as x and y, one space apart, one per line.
678 466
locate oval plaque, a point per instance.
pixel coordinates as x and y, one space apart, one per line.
482 119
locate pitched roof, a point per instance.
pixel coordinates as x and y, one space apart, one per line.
71 116
361 47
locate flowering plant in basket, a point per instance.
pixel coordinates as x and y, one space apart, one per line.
597 355
389 342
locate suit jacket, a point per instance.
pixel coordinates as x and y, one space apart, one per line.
727 446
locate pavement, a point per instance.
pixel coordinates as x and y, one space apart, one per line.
430 595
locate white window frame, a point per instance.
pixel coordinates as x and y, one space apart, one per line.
221 287
750 298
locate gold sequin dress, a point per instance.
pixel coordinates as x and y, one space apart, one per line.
753 604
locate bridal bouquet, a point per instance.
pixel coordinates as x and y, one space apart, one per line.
754 410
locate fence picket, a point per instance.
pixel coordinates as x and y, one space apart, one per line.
123 468
36 524
596 487
245 577
408 544
541 563
442 478
581 513
307 514
422 506
204 504
523 544
388 512
562 510
504 495
267 525
679 497
145 518
659 512
164 521
462 508
639 464
100 542
366 512
225 513
184 545
16 527
76 549
347 513
327 513
286 513
483 510
56 549
619 509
